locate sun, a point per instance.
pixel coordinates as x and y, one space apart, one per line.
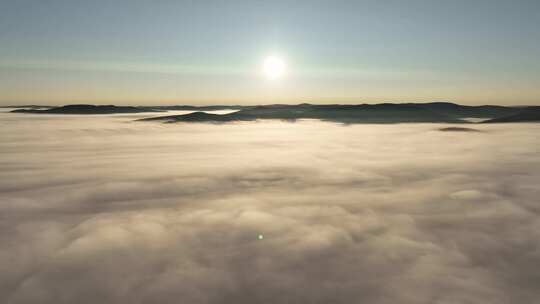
274 67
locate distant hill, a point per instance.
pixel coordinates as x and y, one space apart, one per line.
365 113
529 114
361 113
27 107
461 111
458 129
380 113
442 112
201 117
87 109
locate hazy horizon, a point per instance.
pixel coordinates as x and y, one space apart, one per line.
232 103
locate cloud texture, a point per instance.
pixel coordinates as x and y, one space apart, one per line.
105 210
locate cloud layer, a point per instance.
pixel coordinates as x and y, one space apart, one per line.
105 210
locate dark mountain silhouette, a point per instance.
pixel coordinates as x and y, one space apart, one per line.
443 112
461 111
365 113
362 113
202 117
27 107
87 109
529 114
458 129
380 113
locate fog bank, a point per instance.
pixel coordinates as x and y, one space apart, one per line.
101 209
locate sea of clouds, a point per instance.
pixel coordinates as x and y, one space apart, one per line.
101 209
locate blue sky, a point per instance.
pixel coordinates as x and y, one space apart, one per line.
204 52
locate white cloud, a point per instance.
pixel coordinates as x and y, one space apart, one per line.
103 210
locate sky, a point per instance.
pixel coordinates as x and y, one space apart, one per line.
211 52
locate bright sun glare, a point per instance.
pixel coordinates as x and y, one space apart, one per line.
274 67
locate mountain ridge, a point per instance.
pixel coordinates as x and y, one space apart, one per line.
433 112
